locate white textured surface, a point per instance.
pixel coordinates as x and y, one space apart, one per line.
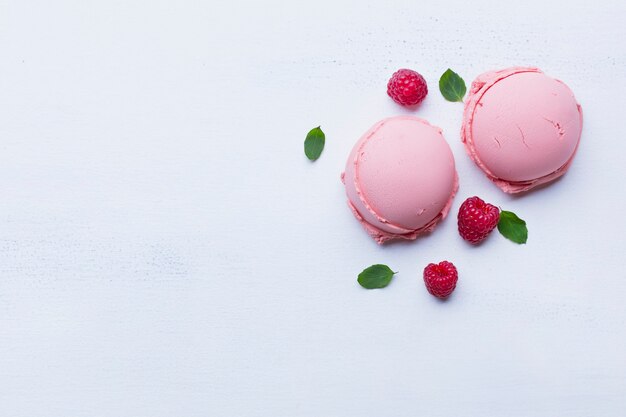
167 250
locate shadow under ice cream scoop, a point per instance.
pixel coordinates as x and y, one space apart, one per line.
400 178
521 127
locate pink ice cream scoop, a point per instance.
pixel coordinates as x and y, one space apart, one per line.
400 178
521 127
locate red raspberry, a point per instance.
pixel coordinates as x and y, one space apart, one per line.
441 278
407 87
477 219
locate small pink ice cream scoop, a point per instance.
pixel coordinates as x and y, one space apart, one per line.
400 178
521 127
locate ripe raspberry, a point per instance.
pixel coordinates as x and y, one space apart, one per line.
407 87
477 219
441 278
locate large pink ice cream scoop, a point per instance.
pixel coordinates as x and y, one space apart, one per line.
521 127
400 178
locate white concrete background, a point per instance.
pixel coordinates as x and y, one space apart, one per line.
167 250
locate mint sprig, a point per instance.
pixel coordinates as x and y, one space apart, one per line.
512 227
375 276
314 143
452 86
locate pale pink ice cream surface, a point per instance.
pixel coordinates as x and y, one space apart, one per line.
521 127
400 178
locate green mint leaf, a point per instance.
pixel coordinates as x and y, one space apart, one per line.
452 86
512 227
376 276
314 143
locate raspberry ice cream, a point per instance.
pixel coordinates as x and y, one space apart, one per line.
400 178
521 127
